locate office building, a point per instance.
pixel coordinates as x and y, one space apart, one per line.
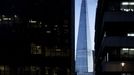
84 50
114 37
36 37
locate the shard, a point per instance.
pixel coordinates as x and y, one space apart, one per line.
82 49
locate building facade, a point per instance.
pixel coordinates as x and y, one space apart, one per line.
84 56
114 37
82 52
36 37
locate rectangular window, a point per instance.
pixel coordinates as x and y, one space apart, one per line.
127 6
130 34
35 49
35 70
4 70
127 52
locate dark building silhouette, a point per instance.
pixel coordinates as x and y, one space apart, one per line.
36 37
114 37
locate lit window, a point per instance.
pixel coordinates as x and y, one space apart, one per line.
132 9
105 34
58 50
32 21
2 68
35 49
5 19
40 22
35 70
127 6
125 3
55 25
131 3
48 32
15 16
131 49
9 18
45 25
127 52
130 34
126 49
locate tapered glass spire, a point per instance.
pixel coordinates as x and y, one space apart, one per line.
82 53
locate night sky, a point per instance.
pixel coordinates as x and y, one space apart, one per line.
42 9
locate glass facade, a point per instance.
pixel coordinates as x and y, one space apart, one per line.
84 35
81 53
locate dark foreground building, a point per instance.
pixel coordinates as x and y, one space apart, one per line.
114 37
36 37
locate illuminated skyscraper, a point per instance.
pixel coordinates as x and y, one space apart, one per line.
83 51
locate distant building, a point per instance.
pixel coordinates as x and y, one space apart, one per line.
36 37
114 37
84 55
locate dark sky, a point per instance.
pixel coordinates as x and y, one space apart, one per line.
36 8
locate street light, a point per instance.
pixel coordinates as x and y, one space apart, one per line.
122 66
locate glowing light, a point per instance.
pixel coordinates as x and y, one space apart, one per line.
125 3
131 49
130 34
40 22
58 50
48 32
126 10
15 16
131 3
5 18
124 49
9 18
2 68
45 25
123 64
32 21
132 9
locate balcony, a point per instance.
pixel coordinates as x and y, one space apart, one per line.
118 42
118 16
117 67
